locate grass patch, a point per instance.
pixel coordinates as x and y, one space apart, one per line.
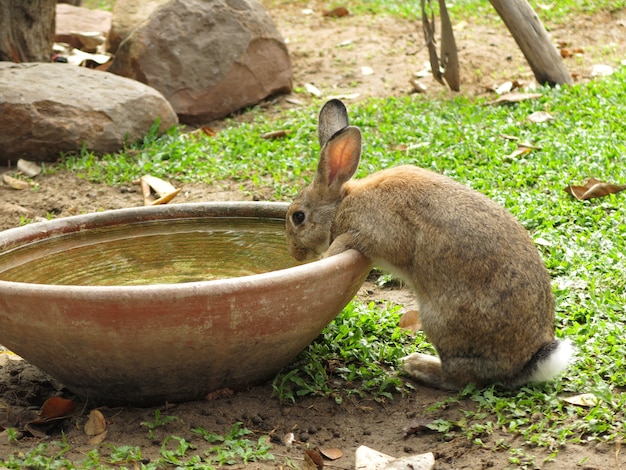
582 242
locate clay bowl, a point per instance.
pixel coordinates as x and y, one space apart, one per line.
167 303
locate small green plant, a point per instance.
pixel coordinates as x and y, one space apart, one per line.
44 456
234 447
159 421
356 354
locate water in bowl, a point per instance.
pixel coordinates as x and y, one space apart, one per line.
154 252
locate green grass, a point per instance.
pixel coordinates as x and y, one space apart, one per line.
477 10
582 242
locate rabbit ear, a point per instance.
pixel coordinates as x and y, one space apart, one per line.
333 117
339 159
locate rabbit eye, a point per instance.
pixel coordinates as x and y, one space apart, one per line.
298 217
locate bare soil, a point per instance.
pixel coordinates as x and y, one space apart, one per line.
329 53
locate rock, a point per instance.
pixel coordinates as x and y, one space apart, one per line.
71 18
127 15
51 108
208 58
370 459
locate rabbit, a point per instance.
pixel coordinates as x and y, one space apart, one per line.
484 295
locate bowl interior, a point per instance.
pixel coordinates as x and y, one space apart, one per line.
152 252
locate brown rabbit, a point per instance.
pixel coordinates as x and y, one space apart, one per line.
483 292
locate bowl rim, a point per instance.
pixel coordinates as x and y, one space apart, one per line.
38 231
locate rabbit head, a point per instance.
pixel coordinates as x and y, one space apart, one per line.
310 216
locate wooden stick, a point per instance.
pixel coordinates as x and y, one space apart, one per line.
534 41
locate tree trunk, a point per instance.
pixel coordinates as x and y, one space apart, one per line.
534 41
27 30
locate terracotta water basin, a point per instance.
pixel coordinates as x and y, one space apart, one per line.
166 303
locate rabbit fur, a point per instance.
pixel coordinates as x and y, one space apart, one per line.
484 295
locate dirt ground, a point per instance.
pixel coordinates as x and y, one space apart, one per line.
354 57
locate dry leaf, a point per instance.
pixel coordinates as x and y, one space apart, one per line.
520 150
276 134
97 439
336 12
418 87
204 130
288 439
167 198
410 321
593 188
56 408
601 70
313 459
540 116
28 168
312 89
164 190
331 453
515 98
505 87
161 187
223 392
586 399
14 182
96 424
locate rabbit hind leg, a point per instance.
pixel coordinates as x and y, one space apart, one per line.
427 370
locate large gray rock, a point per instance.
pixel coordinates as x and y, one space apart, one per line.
209 58
46 109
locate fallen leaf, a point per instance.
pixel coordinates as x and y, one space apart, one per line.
275 134
539 117
338 12
503 88
288 439
586 400
593 188
28 168
601 70
520 150
410 321
417 86
96 424
97 439
312 89
331 453
204 130
313 459
56 408
14 182
515 97
222 392
566 52
164 190
167 198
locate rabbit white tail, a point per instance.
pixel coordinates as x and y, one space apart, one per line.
551 360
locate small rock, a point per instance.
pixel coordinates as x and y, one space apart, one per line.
370 459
